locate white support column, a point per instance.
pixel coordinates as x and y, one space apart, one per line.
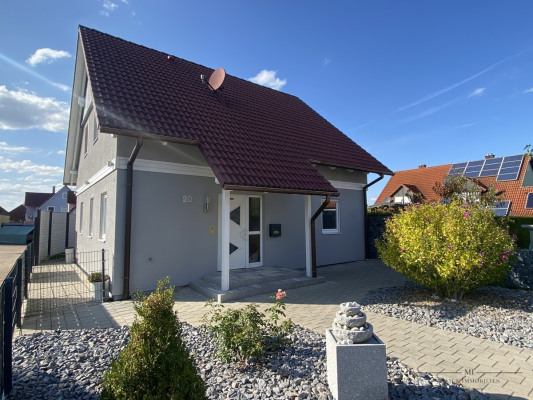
224 231
308 271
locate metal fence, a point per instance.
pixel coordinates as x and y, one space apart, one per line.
12 290
36 286
72 279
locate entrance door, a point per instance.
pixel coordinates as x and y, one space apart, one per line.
245 231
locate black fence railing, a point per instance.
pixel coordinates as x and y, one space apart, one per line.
12 290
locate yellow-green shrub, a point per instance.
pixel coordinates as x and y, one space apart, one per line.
451 248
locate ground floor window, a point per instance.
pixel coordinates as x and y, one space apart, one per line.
103 210
330 218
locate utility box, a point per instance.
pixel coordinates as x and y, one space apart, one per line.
274 230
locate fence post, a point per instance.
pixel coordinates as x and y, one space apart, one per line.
36 238
18 284
103 276
26 271
8 334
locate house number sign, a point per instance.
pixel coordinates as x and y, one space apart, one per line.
187 199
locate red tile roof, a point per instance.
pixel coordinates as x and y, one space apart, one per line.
425 179
251 136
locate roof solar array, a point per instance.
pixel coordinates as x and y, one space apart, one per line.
501 208
504 168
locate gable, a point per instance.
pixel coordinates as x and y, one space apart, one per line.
253 137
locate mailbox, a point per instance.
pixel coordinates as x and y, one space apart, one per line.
274 230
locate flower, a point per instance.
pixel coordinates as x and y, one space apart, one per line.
449 246
466 215
402 250
280 294
427 219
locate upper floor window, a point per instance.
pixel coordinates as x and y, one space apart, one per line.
330 218
64 195
91 204
51 208
103 210
85 138
529 201
95 130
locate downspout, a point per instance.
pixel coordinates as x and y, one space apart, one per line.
313 239
380 177
127 238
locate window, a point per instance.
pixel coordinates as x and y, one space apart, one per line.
330 218
51 208
529 201
95 130
64 209
91 216
103 207
81 218
64 195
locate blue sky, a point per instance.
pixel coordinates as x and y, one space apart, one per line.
412 82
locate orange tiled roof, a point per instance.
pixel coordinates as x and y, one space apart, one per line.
425 178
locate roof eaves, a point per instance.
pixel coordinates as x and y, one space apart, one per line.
385 171
152 136
279 190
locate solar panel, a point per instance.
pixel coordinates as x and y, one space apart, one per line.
510 168
458 169
529 201
491 167
501 208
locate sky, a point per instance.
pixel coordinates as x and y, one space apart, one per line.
412 82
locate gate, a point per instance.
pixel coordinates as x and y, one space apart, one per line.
67 280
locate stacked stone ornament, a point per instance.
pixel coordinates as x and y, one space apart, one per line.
350 326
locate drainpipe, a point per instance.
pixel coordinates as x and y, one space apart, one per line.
129 198
313 239
380 177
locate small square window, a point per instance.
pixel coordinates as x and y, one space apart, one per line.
330 218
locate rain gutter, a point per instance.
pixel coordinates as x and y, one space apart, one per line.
129 200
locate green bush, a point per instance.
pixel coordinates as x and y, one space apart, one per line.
155 364
246 333
451 248
522 234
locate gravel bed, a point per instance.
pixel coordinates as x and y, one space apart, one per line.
69 365
495 313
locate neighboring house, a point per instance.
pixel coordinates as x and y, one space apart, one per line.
511 176
55 201
18 214
180 178
4 216
71 202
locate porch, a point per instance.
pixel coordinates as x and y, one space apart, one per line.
246 282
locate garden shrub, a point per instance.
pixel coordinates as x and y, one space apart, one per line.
451 248
522 234
155 364
246 332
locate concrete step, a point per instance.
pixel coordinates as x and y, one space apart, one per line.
246 285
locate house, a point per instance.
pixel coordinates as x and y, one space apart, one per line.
511 176
18 214
181 170
4 216
55 201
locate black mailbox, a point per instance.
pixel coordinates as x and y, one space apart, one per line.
274 230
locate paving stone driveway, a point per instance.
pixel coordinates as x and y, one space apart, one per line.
494 368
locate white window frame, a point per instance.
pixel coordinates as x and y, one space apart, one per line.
86 138
81 218
103 213
91 209
337 230
64 195
95 130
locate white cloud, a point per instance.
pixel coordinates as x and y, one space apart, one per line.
530 90
25 110
61 152
477 92
60 86
109 5
46 56
268 79
12 194
5 148
327 61
27 166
